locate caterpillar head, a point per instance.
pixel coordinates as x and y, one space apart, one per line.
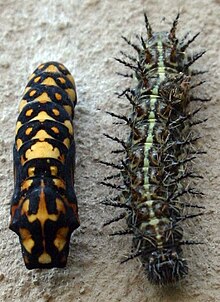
166 267
44 221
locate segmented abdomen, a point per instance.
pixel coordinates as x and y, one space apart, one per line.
44 209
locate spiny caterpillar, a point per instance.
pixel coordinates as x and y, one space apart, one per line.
154 177
44 209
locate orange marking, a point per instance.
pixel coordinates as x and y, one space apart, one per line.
29 112
32 92
25 207
58 96
62 66
22 160
37 79
71 93
62 80
56 112
49 82
15 207
55 130
28 130
59 183
62 158
60 206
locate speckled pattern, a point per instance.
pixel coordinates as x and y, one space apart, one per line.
85 36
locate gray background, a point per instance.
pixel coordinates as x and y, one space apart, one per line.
85 36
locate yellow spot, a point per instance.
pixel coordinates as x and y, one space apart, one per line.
68 124
43 150
42 214
43 98
31 171
19 143
52 68
26 239
62 80
25 207
26 184
18 126
41 66
28 130
62 66
60 206
55 130
71 79
29 112
32 92
154 221
49 82
71 93
60 240
59 183
37 79
27 89
66 142
41 135
42 116
22 160
58 96
22 104
31 76
56 112
68 109
44 258
53 170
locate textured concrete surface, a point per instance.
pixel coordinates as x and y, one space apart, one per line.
85 36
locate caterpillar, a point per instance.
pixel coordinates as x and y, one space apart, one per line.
44 209
154 187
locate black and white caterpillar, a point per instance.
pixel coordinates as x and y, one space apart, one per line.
154 176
